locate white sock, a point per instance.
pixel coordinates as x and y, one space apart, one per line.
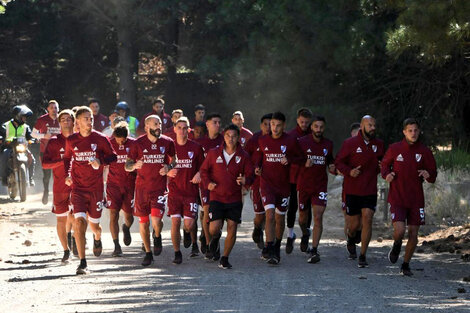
290 232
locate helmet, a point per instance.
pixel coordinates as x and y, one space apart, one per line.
19 111
122 105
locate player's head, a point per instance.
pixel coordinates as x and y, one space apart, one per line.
94 105
158 105
199 112
304 118
120 132
411 130
175 115
318 126
354 128
265 123
368 127
199 130
153 125
181 127
52 108
238 119
231 135
277 123
66 120
84 118
213 123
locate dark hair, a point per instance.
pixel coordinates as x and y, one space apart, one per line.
121 130
266 117
410 121
92 100
213 115
199 107
233 127
278 116
202 125
304 112
81 110
158 100
318 118
355 126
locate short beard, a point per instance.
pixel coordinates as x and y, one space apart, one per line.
369 135
155 133
318 135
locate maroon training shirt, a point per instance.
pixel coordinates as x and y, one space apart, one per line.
296 132
166 122
100 122
315 178
45 124
355 152
208 143
78 152
53 159
117 174
154 156
406 189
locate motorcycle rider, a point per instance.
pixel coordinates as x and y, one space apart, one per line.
14 129
123 110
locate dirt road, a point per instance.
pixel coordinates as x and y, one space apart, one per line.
32 278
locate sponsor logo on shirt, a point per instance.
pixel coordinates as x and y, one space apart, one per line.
219 160
374 148
283 148
93 146
317 159
358 150
190 154
400 158
237 159
418 157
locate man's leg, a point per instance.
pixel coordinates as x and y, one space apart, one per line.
410 249
291 213
62 231
215 229
175 232
231 237
353 223
96 229
399 229
144 224
318 211
280 220
205 225
258 223
157 225
79 227
367 217
114 229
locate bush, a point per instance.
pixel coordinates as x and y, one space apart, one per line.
452 159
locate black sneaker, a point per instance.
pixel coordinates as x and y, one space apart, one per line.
148 259
290 244
186 239
405 269
82 269
277 251
214 248
358 237
45 197
194 251
117 251
362 263
394 253
304 243
257 237
264 254
351 246
271 256
66 256
74 247
157 245
127 239
178 258
224 264
202 239
97 247
314 257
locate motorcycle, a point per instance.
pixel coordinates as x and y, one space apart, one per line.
17 163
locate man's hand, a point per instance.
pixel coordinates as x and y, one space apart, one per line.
68 181
332 169
211 186
355 171
241 179
138 164
164 170
423 173
95 163
196 179
284 161
389 178
258 171
309 163
47 136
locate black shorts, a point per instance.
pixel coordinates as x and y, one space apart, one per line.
222 211
355 204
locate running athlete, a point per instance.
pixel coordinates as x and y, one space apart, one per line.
199 113
406 165
213 139
312 182
359 161
245 133
304 118
46 126
152 155
53 159
175 115
277 152
224 172
86 152
183 190
158 108
120 187
100 121
251 148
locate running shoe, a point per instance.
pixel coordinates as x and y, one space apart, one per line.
264 254
277 251
304 243
202 239
66 256
148 259
194 251
186 239
405 269
214 248
362 263
290 244
314 257
351 247
272 256
157 245
178 258
117 251
82 269
127 235
394 253
97 246
224 264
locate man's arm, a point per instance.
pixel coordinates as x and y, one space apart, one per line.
51 159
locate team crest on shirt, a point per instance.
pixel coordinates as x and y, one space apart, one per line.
154 147
93 146
374 148
164 121
242 140
238 159
102 123
283 148
325 151
127 149
399 158
358 150
190 154
301 206
162 149
418 157
121 147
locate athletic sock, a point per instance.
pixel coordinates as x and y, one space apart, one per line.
116 243
83 263
314 250
290 232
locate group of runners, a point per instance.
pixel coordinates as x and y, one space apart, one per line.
194 170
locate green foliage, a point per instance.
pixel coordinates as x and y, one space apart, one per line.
453 159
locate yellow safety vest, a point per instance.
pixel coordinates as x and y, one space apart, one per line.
132 126
13 133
